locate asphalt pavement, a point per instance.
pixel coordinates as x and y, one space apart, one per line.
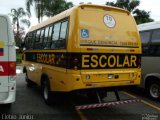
29 105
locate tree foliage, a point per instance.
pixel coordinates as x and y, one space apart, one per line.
39 6
56 6
47 7
141 16
18 17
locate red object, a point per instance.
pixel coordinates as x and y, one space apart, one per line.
1 53
8 68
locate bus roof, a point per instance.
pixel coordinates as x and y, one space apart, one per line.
149 26
68 12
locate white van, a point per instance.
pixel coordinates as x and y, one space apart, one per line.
7 62
150 37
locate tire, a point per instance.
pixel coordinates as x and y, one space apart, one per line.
28 81
47 94
153 89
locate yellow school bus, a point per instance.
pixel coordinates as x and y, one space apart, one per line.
85 48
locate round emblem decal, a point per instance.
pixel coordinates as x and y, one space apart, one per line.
109 21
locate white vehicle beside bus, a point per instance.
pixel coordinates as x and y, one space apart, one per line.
7 62
150 37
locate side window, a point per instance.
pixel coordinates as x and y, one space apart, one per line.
38 36
34 37
63 30
45 41
48 44
154 50
145 50
37 44
156 35
59 35
46 34
42 36
55 36
50 33
151 49
41 39
30 41
26 41
145 36
56 31
157 51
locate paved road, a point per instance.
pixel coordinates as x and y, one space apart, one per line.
29 102
30 105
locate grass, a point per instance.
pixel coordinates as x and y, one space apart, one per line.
18 58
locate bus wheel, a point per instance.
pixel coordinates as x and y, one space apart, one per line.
47 95
28 81
154 90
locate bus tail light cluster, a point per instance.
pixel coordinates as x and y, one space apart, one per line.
12 68
75 63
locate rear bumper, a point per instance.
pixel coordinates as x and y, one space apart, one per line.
104 86
75 82
10 99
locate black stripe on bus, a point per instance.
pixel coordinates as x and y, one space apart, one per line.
85 60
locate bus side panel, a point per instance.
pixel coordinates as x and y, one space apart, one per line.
57 78
34 71
7 62
3 54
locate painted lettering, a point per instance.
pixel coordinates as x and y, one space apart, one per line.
133 60
126 61
102 58
1 69
94 59
85 61
111 61
118 64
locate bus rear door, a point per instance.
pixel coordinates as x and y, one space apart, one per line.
7 62
107 39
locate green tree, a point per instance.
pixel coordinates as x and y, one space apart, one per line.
18 17
54 7
47 7
141 16
39 6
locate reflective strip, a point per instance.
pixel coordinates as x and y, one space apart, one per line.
7 68
106 104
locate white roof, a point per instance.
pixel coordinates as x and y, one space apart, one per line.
149 26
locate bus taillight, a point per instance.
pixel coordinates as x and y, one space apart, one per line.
75 60
75 63
12 68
